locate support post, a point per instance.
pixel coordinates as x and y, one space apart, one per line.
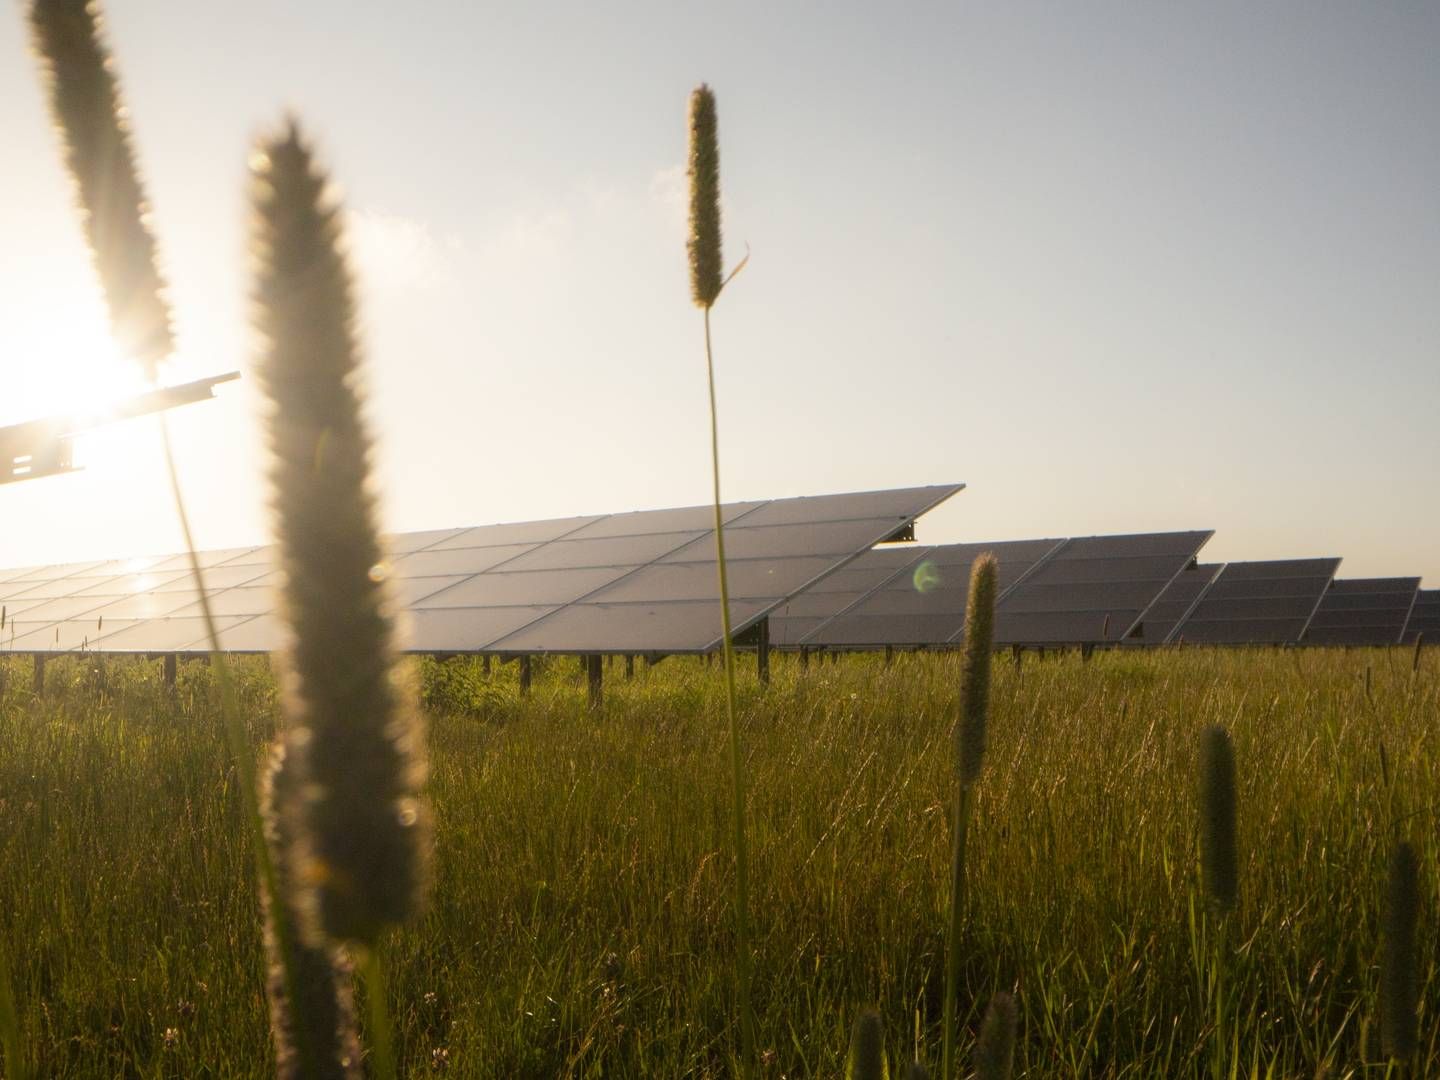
595 671
37 682
524 675
485 665
804 658
1087 650
762 653
171 663
889 655
629 666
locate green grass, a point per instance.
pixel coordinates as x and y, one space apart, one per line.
580 920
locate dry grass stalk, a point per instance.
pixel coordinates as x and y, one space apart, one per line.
356 736
85 103
1399 961
995 1047
328 1048
866 1059
1218 843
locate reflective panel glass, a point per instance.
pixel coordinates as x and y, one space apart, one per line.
610 551
463 629
520 532
535 588
680 626
455 560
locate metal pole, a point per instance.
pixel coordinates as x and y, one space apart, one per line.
524 675
762 653
596 672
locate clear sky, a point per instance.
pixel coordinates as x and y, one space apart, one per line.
1119 267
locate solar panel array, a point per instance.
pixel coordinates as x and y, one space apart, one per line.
1363 611
635 582
1258 603
809 568
1424 617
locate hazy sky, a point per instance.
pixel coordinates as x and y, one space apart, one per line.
1119 267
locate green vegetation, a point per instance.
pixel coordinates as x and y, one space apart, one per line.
580 923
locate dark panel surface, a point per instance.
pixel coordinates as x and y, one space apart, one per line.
1363 611
1259 603
1424 617
1094 589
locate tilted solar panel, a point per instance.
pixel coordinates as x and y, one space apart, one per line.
1094 589
1424 617
906 597
635 582
1259 603
1180 598
1363 611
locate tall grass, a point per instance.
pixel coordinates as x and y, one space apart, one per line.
706 283
580 921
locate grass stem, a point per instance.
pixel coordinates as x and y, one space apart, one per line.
952 936
737 763
382 1061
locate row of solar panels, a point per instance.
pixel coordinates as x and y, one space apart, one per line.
1145 589
811 571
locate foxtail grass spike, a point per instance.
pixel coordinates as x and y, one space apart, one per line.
866 1059
1399 962
1218 847
995 1047
85 103
975 684
703 245
364 830
327 1047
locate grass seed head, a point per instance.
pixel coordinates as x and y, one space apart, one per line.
85 104
975 672
1218 846
1399 962
703 244
995 1047
866 1060
357 737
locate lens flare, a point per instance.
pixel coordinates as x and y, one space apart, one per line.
927 577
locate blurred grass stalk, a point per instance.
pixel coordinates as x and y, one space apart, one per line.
969 762
91 121
359 851
706 283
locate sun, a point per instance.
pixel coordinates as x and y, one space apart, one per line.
71 368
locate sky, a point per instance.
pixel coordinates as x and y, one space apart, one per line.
1118 268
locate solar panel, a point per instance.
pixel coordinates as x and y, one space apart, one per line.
1176 602
1424 617
904 597
635 582
1094 589
1363 611
1259 603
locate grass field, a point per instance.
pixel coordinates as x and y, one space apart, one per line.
580 920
